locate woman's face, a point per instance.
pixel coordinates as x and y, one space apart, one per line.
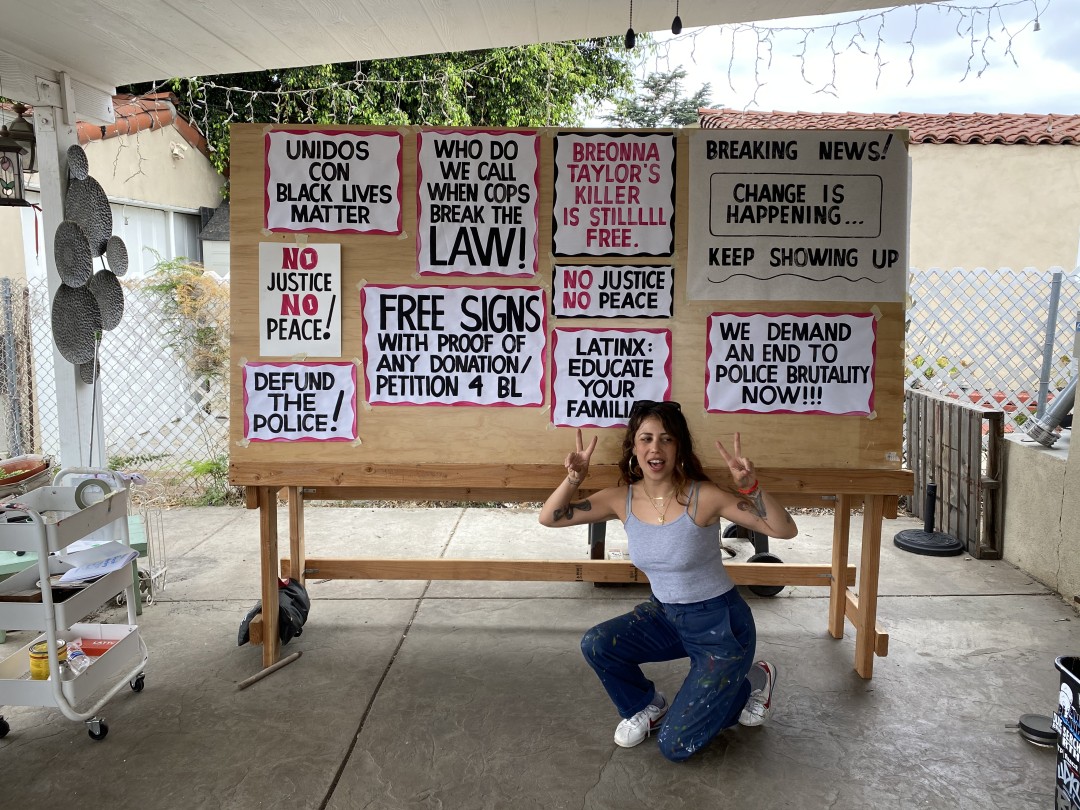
656 449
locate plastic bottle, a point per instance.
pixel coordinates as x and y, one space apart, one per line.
77 660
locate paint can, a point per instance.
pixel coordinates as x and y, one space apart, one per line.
39 658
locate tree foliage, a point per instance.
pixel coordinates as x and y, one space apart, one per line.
551 84
659 103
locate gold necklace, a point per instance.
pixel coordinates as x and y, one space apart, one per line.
660 514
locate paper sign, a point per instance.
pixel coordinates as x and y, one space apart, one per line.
614 194
454 345
299 299
637 291
598 374
798 215
765 363
477 202
299 402
323 181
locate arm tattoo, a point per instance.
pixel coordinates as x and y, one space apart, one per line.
758 499
568 512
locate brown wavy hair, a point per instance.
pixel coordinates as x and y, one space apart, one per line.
687 464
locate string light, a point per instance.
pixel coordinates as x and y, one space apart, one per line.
676 24
631 37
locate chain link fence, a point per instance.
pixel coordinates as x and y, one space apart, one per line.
971 334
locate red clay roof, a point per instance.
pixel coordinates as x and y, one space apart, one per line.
137 113
975 128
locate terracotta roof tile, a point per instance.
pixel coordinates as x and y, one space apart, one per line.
137 113
971 128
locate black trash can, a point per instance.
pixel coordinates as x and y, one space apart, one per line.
1067 725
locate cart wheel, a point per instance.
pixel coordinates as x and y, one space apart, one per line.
137 684
4 727
765 590
121 599
97 729
732 530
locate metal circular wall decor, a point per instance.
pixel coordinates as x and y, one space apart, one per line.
74 261
110 298
87 204
117 255
78 165
88 372
76 322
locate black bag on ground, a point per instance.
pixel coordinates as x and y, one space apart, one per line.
293 608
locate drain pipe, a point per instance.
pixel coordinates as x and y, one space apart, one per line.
1048 346
1041 428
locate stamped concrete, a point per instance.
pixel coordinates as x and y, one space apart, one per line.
474 694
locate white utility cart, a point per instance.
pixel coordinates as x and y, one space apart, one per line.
48 520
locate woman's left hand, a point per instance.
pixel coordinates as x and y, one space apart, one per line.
742 468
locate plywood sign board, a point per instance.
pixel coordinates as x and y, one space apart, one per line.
411 296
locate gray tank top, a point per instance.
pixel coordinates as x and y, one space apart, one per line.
683 561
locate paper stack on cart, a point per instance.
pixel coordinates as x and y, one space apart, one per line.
92 563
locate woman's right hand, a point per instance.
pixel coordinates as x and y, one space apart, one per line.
577 462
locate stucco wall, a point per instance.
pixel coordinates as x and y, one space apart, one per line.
994 206
1042 512
12 255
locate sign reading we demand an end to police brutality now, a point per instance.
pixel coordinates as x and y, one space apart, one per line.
798 215
614 194
477 202
333 181
780 363
454 345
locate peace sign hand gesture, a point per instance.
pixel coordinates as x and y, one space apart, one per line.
577 462
742 468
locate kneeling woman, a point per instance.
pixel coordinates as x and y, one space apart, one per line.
672 514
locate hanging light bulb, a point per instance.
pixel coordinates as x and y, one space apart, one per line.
676 24
631 37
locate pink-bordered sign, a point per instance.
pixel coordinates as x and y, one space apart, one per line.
813 363
300 402
598 374
477 202
428 345
332 181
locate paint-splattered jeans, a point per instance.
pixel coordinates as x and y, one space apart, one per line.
718 635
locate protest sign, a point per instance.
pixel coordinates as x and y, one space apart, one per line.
299 299
612 291
299 402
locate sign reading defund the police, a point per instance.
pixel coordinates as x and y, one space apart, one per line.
598 374
454 345
477 202
813 363
798 215
299 299
614 194
299 402
320 181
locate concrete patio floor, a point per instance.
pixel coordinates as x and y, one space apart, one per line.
475 695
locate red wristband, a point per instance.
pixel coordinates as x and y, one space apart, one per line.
751 490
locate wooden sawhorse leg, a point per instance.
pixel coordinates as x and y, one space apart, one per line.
268 554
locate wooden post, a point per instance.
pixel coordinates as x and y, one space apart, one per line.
866 641
296 534
268 531
838 588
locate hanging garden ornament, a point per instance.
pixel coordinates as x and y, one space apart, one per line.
12 191
676 24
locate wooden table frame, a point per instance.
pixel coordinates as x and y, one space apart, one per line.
842 490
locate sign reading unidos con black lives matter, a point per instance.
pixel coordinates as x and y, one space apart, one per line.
614 194
454 345
598 374
778 363
477 202
798 215
299 402
333 181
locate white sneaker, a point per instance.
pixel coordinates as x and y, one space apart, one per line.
759 705
634 731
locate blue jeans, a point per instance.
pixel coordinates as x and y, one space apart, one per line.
718 635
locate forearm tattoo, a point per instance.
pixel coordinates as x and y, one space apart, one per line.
568 511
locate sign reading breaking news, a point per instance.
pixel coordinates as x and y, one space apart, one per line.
299 299
333 181
766 363
290 402
477 202
636 291
598 374
798 215
614 194
454 345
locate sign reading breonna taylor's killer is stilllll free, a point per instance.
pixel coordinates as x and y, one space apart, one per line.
327 181
798 363
299 402
454 345
299 300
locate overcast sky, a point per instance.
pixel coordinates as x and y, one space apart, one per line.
1029 72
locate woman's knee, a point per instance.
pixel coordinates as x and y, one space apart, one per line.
594 643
